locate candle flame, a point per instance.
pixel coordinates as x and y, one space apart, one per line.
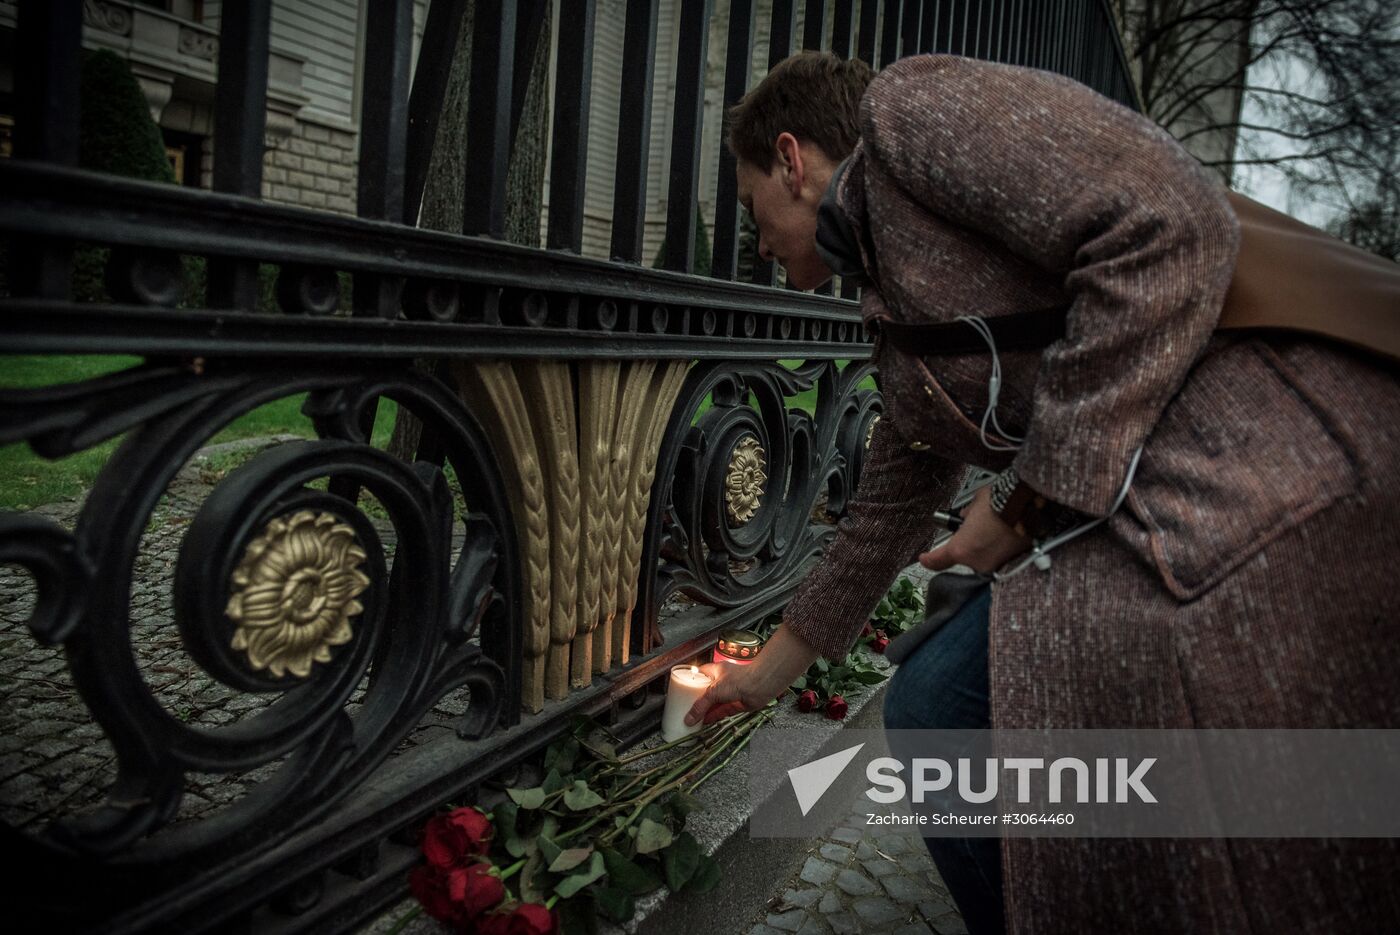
694 670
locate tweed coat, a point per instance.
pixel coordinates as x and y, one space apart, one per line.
1248 580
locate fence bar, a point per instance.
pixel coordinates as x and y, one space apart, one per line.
441 30
841 28
909 29
976 25
1096 41
49 69
928 25
1000 30
1055 61
488 117
1085 53
781 30
569 146
1021 49
889 34
813 35
683 192
724 261
383 137
1072 28
1002 49
869 20
814 25
240 118
240 100
784 28
384 118
47 76
958 27
633 131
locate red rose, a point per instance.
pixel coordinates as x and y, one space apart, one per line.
475 889
836 708
524 919
880 642
429 887
807 701
449 839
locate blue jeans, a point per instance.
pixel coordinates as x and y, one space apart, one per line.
944 685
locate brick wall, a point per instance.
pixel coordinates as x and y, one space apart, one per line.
313 168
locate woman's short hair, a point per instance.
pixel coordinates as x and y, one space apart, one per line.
815 96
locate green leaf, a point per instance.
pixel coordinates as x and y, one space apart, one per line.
503 818
527 798
839 672
681 804
869 678
617 905
706 875
822 665
655 812
533 885
562 754
799 683
574 882
629 876
569 859
652 836
549 851
553 782
580 797
681 860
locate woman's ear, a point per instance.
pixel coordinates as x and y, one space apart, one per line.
790 159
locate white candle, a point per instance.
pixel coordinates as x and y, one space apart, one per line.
688 683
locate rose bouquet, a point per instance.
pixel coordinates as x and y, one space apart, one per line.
598 831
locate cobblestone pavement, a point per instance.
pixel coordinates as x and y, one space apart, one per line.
861 880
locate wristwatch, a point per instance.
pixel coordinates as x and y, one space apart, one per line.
1029 513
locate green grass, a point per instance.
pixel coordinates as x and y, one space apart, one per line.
27 480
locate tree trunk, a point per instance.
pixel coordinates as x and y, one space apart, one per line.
447 176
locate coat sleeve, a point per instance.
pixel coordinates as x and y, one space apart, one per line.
1082 187
888 521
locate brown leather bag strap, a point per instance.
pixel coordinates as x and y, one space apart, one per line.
1019 331
1293 276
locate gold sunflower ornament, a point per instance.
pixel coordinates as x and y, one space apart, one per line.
294 592
743 485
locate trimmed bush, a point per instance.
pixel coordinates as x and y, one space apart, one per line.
700 253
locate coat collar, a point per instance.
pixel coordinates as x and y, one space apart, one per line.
843 214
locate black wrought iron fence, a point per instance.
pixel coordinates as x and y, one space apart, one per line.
598 438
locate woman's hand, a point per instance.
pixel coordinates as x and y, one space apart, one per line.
733 689
983 543
747 688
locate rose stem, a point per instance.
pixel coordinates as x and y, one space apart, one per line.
406 918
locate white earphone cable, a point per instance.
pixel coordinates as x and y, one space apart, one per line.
993 391
1039 555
